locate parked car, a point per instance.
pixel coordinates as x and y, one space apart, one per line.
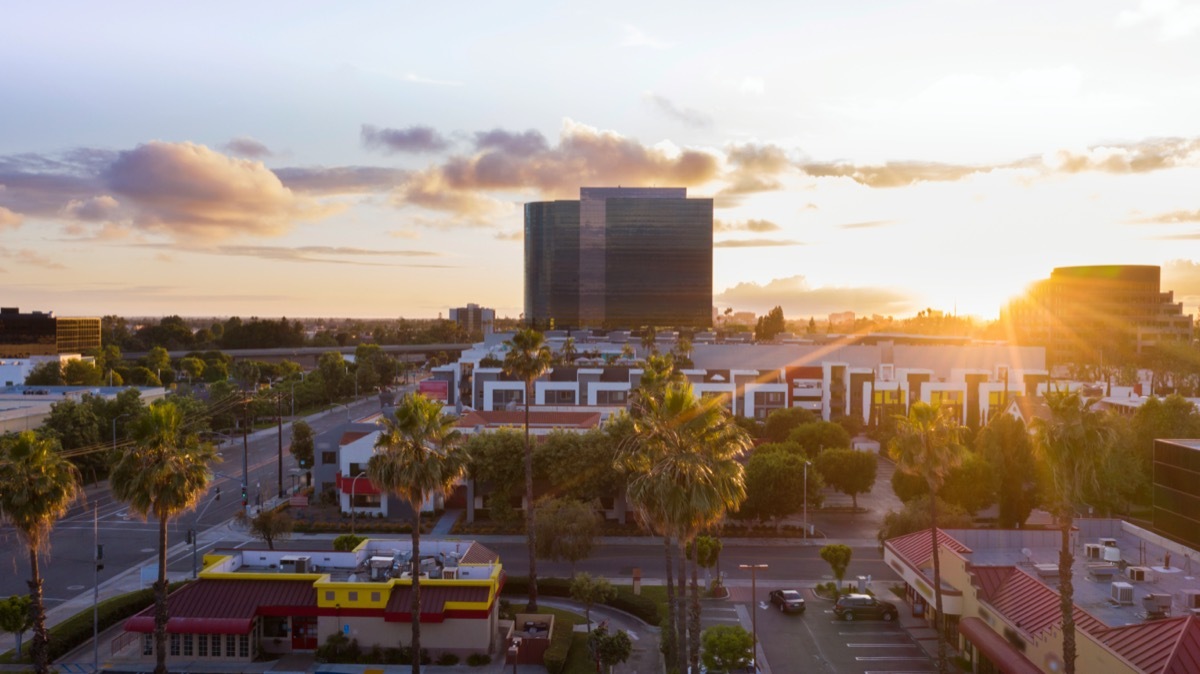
788 601
858 606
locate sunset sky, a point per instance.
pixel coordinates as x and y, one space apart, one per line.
371 159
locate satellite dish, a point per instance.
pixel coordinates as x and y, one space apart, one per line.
1028 554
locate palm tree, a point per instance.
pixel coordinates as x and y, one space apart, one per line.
416 457
37 485
163 477
1071 444
928 444
650 341
688 478
527 359
569 352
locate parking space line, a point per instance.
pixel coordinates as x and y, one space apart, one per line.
879 658
881 646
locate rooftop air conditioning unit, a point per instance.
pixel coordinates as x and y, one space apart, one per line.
302 564
1112 554
1122 593
1157 604
1108 542
1191 599
1139 574
1093 551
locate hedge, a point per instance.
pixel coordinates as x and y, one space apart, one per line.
643 608
77 630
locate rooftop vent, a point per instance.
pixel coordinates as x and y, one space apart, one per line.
1122 594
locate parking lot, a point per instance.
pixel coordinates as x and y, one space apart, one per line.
816 641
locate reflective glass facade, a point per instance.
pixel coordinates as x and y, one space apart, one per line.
41 334
619 257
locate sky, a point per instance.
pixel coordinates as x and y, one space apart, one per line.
371 159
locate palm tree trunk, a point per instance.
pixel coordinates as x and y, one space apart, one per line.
416 590
529 531
38 651
669 632
938 619
160 601
1066 592
694 614
681 608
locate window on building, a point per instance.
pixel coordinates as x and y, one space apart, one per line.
368 500
329 595
611 397
375 596
187 645
275 626
355 469
328 458
243 645
506 396
148 644
202 645
560 397
173 640
215 640
353 596
230 645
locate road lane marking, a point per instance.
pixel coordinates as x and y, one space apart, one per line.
881 646
879 658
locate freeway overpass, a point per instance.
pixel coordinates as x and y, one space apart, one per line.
308 355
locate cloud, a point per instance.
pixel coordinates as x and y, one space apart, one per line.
755 168
745 226
1183 276
798 298
410 234
868 224
9 218
1194 236
419 79
1170 218
94 209
30 258
515 235
520 143
416 139
1152 154
892 174
634 37
526 162
310 254
757 243
247 147
753 85
190 191
1175 19
685 116
341 179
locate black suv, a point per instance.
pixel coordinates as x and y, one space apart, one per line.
857 606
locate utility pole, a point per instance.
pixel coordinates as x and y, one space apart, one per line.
279 418
96 588
753 607
245 454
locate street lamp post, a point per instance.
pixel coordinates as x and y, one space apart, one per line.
353 512
514 652
806 465
114 426
753 607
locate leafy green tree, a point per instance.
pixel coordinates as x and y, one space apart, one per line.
780 423
347 542
1005 444
914 516
708 555
416 457
589 591
163 478
770 325
215 371
157 359
969 485
927 443
610 649
495 462
1071 444
37 486
848 470
727 648
579 465
16 617
48 373
528 358
566 531
1170 417
78 372
271 525
191 366
332 370
302 445
818 436
775 486
838 557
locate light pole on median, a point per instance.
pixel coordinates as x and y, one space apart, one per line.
806 465
114 426
753 608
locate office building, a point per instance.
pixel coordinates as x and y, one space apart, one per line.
1098 314
476 320
42 334
1176 491
619 256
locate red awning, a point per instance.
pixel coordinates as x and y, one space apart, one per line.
997 649
145 623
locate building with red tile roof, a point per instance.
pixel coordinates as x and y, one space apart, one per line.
1134 612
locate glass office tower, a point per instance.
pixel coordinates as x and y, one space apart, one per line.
623 257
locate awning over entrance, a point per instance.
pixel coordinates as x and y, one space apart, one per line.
145 623
997 649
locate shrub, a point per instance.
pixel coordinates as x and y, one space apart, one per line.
479 659
447 660
641 607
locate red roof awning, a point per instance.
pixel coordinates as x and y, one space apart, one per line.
362 485
997 649
145 623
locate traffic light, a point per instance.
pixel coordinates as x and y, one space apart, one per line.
245 501
191 536
218 493
100 557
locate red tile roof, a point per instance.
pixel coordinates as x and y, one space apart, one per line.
350 436
537 419
226 606
1167 646
478 554
433 601
1034 608
916 549
989 579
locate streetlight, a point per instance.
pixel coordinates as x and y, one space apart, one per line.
806 465
514 652
114 425
753 607
347 407
353 512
